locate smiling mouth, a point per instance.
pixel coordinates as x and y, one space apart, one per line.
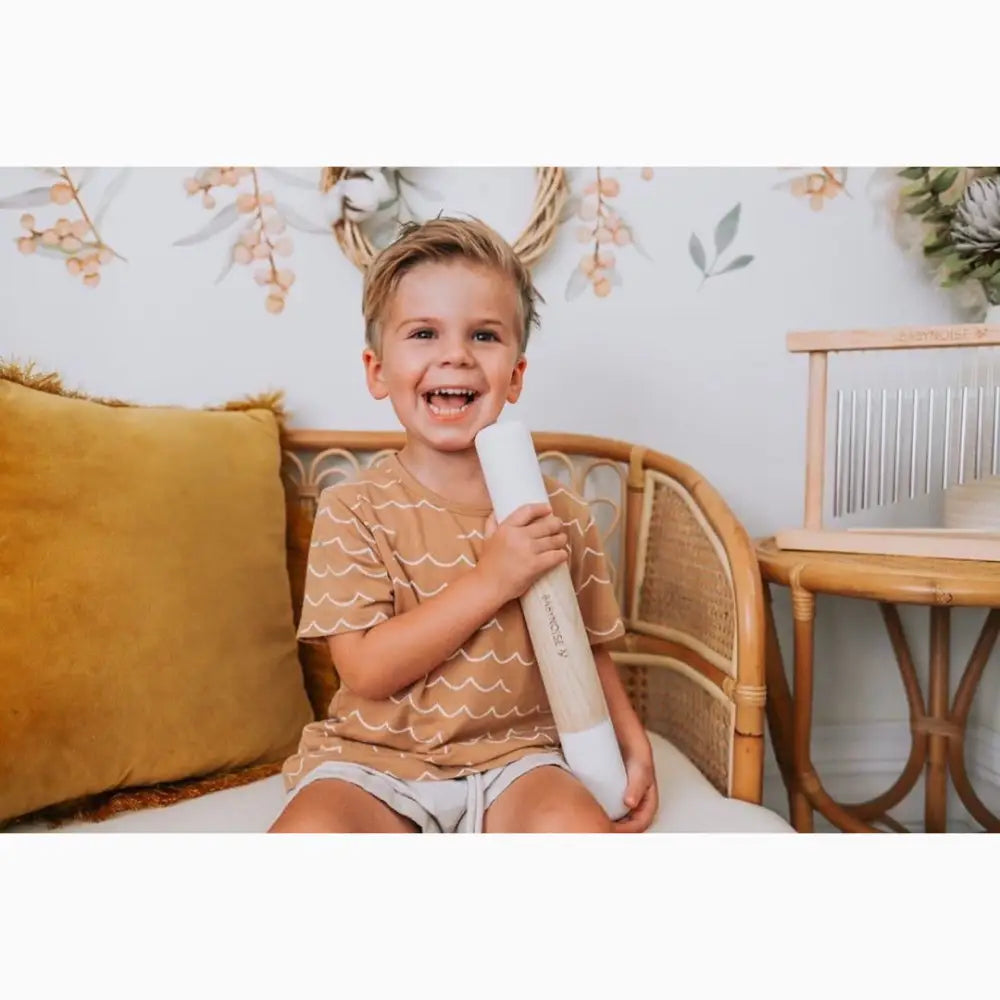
450 403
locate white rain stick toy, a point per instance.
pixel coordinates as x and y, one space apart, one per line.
514 478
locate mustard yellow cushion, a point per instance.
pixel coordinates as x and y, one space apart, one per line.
146 623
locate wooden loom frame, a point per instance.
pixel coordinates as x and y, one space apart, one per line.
940 543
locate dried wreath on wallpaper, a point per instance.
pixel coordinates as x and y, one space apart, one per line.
725 232
818 186
74 235
604 228
263 240
371 203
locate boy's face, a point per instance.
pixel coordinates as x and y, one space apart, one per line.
450 325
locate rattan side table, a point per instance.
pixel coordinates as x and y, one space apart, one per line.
937 727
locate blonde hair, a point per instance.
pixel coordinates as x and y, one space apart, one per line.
441 239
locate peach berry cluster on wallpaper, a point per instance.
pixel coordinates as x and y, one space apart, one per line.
263 242
70 234
604 228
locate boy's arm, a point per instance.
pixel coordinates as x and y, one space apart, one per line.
592 579
628 726
392 655
637 753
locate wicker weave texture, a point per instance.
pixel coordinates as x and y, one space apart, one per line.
680 709
684 586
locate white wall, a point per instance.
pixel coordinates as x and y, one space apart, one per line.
702 374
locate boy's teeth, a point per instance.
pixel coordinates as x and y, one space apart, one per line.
449 401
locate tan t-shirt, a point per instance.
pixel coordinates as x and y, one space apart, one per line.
381 545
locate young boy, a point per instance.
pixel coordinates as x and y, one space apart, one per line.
441 723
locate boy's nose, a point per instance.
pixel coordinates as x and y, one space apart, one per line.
455 351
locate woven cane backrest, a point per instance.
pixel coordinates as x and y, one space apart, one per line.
683 587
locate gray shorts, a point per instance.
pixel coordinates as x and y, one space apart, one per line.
449 805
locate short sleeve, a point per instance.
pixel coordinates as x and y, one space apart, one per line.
347 586
591 572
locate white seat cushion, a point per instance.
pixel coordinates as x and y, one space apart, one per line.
688 804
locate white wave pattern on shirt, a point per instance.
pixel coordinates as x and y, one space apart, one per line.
354 566
575 523
490 655
327 599
470 681
591 579
394 503
465 710
427 557
386 727
410 585
594 631
375 483
366 551
512 734
342 623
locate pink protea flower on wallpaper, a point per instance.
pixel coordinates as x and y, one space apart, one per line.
262 239
73 237
605 228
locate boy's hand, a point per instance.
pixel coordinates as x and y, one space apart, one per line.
641 795
529 543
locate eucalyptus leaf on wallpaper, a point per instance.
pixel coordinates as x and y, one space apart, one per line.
227 267
287 177
697 252
111 192
726 230
221 221
430 193
300 222
739 262
578 281
570 208
34 198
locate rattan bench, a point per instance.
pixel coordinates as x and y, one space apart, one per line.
685 573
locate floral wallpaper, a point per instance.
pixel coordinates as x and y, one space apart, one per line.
64 219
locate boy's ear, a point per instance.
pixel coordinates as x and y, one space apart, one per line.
373 373
517 380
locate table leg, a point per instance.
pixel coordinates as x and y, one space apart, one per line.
960 715
778 705
936 791
804 613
